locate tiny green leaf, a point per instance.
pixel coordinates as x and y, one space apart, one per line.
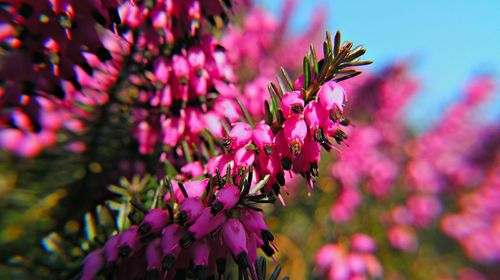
248 118
288 81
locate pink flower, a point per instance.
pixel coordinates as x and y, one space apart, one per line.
295 132
243 159
403 238
292 104
226 198
240 135
262 137
170 246
93 262
363 243
189 210
331 95
129 242
235 239
205 224
153 256
154 221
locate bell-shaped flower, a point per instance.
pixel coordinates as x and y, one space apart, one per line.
111 249
226 198
180 66
189 210
243 159
220 163
154 221
331 95
129 242
93 262
193 189
295 132
153 257
363 243
240 135
235 238
262 137
169 245
201 254
292 104
205 224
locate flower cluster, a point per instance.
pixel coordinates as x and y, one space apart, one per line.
197 239
353 260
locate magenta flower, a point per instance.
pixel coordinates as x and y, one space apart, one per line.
226 198
129 242
154 221
235 238
262 137
292 104
190 209
332 96
240 135
295 132
93 262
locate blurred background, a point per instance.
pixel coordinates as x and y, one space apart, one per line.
447 43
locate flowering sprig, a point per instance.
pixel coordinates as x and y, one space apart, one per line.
221 207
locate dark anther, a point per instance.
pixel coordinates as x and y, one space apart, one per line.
114 16
266 236
26 10
221 265
187 239
98 17
268 149
182 217
286 162
280 177
87 68
216 207
124 251
103 54
318 135
297 108
144 228
59 92
201 272
167 263
152 274
267 249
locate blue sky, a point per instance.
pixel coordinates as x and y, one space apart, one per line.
451 42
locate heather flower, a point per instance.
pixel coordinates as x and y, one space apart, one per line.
332 96
240 135
292 104
227 197
92 264
154 221
295 132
